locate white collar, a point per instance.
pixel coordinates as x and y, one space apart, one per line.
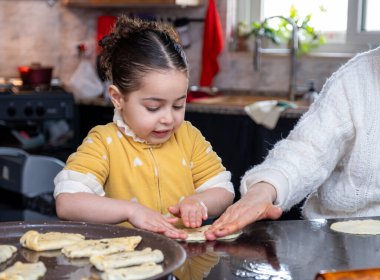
118 120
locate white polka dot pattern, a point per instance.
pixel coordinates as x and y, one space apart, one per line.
137 162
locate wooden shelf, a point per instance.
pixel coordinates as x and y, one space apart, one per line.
132 3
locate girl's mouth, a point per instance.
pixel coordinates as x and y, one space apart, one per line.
161 134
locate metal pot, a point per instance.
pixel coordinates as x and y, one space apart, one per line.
35 74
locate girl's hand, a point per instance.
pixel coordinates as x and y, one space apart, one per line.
145 218
192 211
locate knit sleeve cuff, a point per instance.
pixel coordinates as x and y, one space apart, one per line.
222 180
68 181
273 177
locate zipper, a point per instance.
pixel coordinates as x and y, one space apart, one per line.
157 178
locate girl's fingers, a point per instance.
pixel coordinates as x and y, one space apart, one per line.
193 213
172 220
195 218
204 210
175 210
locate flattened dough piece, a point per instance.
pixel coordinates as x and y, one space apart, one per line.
88 248
6 252
49 241
133 273
125 259
24 271
368 226
198 234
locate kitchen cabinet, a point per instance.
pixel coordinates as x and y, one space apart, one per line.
126 3
241 143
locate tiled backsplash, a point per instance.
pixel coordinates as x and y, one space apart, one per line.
33 31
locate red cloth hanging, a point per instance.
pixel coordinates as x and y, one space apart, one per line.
213 41
105 24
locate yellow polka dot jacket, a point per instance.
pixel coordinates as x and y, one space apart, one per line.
113 164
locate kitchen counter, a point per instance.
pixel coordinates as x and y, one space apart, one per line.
296 249
234 105
285 250
229 104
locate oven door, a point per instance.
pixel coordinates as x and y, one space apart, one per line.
27 185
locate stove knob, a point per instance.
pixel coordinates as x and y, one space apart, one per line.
28 111
11 111
40 111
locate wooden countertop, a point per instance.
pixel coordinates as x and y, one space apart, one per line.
222 104
234 104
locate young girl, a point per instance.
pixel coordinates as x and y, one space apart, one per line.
148 167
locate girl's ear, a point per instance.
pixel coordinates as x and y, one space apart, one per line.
115 96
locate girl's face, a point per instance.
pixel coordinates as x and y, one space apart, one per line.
157 109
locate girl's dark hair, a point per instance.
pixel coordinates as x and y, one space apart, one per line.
135 47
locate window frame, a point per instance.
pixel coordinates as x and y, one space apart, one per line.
355 34
355 39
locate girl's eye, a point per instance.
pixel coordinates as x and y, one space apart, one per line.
178 107
152 109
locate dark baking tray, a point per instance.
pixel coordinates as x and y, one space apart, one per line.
60 267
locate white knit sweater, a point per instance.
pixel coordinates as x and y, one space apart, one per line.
332 156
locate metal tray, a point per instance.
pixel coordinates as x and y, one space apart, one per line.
60 267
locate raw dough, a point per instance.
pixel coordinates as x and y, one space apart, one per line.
369 227
48 241
125 259
88 248
6 252
24 271
133 273
198 234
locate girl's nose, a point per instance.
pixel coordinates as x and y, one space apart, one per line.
167 117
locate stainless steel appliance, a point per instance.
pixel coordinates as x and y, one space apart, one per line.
38 120
27 184
38 130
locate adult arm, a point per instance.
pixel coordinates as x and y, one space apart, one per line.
299 164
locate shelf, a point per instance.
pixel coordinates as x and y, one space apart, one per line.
132 3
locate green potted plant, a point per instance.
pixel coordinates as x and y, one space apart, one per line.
279 34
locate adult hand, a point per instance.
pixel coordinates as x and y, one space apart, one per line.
191 210
145 218
256 204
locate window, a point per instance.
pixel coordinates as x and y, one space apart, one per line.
348 25
364 23
371 18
